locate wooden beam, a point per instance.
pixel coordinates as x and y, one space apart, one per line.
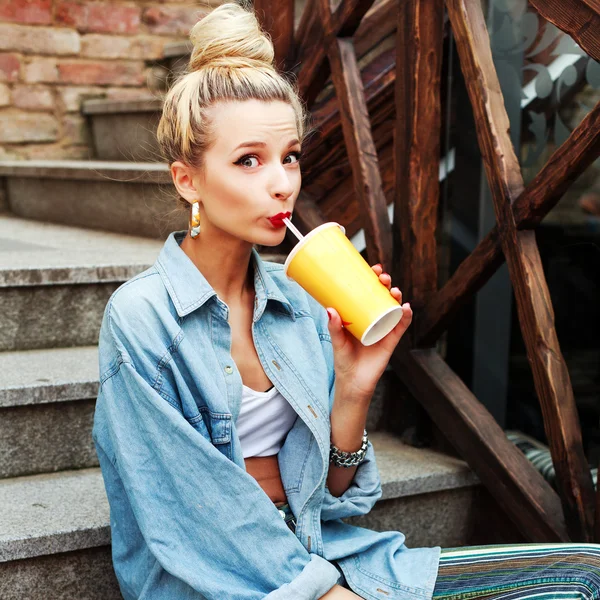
533 302
376 25
419 38
326 171
310 60
341 204
307 214
326 150
313 40
579 18
565 165
470 276
277 18
347 17
502 468
594 5
379 22
361 148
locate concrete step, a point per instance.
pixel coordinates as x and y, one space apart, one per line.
124 130
55 280
121 197
47 401
55 532
54 538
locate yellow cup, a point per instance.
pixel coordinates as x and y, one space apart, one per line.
332 271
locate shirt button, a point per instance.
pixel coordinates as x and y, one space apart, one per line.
228 370
282 514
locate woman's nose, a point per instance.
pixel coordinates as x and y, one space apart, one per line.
281 186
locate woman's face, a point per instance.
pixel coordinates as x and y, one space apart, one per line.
251 172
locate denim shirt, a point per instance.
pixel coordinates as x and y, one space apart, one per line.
188 522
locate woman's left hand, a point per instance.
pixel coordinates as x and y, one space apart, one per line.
358 368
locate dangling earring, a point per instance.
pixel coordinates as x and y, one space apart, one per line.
195 220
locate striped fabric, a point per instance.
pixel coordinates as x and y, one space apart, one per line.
540 457
523 571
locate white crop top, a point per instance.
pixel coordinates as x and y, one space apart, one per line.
264 421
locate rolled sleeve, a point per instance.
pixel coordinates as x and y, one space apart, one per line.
315 580
361 495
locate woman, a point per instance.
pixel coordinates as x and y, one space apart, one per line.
230 419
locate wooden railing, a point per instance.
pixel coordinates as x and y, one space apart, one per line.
325 44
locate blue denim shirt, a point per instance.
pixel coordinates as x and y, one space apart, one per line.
187 520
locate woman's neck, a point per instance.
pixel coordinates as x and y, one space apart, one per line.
226 267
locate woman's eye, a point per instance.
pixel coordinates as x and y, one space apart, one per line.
296 155
246 159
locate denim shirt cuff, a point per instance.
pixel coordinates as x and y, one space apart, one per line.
361 495
315 580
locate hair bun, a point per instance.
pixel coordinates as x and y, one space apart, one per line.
230 36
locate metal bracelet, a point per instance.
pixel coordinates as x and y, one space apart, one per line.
349 459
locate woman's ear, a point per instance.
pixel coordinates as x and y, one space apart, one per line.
183 178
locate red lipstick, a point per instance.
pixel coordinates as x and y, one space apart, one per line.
277 220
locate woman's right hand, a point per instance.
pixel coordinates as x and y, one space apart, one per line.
337 592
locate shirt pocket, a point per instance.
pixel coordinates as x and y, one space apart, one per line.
215 427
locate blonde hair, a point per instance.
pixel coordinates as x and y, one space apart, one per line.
232 59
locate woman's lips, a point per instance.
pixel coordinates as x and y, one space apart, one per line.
277 220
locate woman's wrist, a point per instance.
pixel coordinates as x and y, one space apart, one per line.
348 421
346 393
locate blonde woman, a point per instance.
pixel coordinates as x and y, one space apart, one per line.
230 421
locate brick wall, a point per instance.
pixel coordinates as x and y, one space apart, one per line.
54 53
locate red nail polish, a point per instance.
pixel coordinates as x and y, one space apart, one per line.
329 314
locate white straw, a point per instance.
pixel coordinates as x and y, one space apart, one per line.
292 228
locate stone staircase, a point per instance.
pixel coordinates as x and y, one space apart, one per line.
71 232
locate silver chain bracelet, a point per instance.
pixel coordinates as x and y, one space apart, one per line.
348 459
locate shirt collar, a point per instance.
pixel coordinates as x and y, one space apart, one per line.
189 289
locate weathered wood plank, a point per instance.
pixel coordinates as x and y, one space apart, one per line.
565 165
470 276
534 307
523 493
361 150
579 18
417 149
313 40
378 22
348 16
277 17
326 150
594 5
310 59
307 214
342 204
